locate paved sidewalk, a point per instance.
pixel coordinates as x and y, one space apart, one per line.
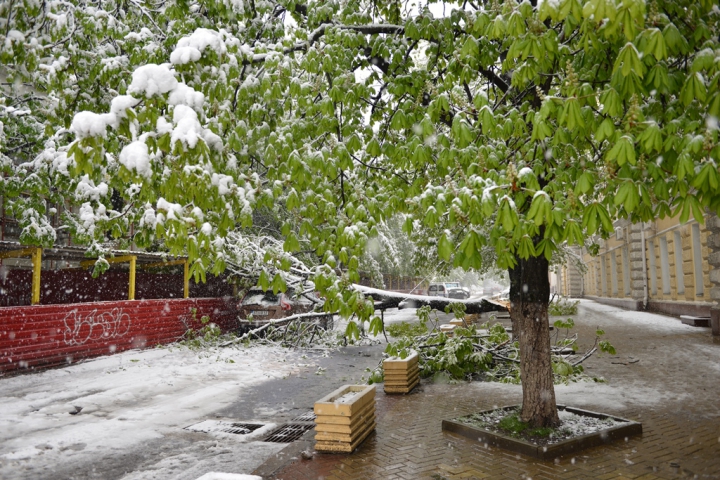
666 375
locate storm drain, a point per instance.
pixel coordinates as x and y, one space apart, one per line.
305 417
288 433
227 427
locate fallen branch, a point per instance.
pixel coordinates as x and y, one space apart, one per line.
495 354
279 321
393 299
585 357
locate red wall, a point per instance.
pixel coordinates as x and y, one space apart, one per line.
48 335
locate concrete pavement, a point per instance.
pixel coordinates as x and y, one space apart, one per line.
665 374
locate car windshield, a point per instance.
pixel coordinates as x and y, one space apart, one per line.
452 284
258 297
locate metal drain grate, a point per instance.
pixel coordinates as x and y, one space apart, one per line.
226 427
243 428
288 433
305 417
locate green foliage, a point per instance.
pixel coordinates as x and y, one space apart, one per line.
503 128
457 309
208 334
483 352
607 114
512 425
563 306
404 329
606 347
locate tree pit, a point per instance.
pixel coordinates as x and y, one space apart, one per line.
579 430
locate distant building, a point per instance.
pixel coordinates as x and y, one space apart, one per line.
662 266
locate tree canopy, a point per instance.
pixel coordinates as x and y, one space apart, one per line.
514 126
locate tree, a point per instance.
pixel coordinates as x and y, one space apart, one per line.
524 125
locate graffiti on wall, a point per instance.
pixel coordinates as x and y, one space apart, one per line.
95 326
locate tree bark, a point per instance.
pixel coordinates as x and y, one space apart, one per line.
529 297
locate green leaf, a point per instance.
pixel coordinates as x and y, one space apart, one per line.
694 89
352 330
627 196
292 244
656 44
461 132
623 151
628 61
584 183
571 116
293 201
264 281
612 104
526 248
398 120
605 131
470 48
651 138
445 248
606 347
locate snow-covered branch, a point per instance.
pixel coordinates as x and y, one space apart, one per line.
393 299
315 35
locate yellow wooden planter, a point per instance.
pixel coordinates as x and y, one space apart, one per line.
448 329
401 374
345 418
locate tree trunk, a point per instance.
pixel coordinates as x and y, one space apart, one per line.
529 297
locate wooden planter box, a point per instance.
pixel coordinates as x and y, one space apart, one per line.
448 329
345 418
401 375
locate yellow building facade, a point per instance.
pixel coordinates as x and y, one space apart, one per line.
663 266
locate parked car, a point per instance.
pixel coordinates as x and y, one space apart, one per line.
448 290
258 307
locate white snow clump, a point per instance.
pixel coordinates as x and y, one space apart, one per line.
90 124
189 49
174 210
135 156
188 129
152 79
120 105
185 95
86 189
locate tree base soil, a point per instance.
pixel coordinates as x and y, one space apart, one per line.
578 430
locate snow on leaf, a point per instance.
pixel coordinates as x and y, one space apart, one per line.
135 157
152 79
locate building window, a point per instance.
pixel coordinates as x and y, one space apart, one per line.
613 273
697 260
664 265
679 273
603 274
653 267
626 271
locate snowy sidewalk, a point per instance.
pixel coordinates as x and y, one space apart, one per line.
665 374
134 407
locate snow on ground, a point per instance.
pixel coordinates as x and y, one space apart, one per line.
656 378
123 400
393 315
612 396
618 316
132 408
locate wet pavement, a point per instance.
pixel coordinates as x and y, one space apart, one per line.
665 375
